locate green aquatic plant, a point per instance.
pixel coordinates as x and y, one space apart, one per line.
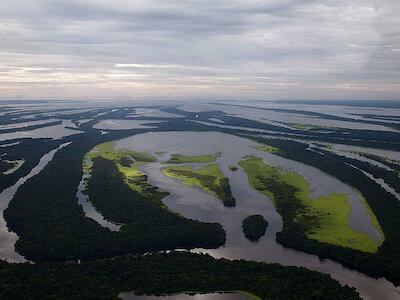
180 158
209 178
325 219
266 148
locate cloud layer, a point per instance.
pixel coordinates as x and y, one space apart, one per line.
92 49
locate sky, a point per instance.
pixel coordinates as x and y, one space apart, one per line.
200 49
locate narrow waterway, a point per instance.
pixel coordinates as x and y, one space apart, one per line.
88 208
8 238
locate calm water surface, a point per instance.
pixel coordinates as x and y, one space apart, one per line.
8 238
124 124
277 117
54 132
195 204
88 208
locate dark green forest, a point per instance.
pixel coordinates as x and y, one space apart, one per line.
158 274
254 227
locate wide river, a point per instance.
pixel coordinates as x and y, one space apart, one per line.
196 204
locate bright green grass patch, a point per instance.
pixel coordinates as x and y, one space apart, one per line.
325 219
266 148
128 163
180 158
334 228
107 151
209 178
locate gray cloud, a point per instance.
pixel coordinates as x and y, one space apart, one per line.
200 49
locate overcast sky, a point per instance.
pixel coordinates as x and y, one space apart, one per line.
200 49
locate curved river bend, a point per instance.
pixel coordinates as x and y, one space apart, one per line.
194 203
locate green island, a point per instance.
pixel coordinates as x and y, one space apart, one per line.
180 158
254 227
128 163
233 168
209 178
121 193
325 219
266 148
163 274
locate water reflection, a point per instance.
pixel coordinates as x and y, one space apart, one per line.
124 124
8 238
234 148
88 208
54 132
195 204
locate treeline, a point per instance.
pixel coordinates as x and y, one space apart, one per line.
254 227
386 262
158 274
